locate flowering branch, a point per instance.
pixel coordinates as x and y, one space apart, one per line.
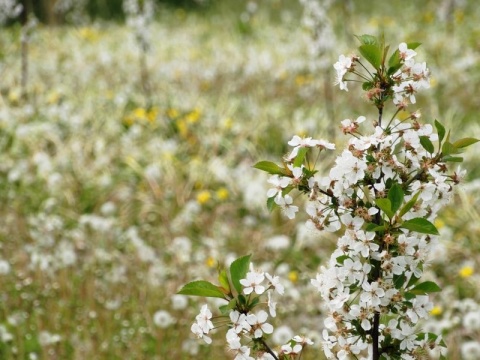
383 194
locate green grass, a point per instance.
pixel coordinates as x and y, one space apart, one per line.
223 96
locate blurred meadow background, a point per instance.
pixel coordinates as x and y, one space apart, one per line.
127 139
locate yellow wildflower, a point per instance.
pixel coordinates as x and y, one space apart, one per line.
293 276
152 114
210 262
172 113
466 271
436 310
140 113
203 197
193 116
222 194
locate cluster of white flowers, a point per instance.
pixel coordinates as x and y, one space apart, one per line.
281 184
410 78
377 262
243 323
406 81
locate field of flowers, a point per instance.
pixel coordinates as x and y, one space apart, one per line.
125 174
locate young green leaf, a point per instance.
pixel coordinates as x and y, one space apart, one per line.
427 144
450 158
386 206
270 168
238 271
223 279
271 204
399 280
372 53
448 148
440 130
420 225
465 142
395 195
410 203
202 288
302 152
425 288
367 39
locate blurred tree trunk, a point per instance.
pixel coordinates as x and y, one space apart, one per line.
48 10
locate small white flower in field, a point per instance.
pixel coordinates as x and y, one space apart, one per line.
46 338
259 324
4 267
421 307
252 283
286 204
282 334
163 319
5 336
405 53
471 320
279 183
179 302
275 283
470 350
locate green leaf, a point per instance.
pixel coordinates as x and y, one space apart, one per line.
440 130
202 288
270 168
386 206
410 203
271 204
367 85
427 144
420 225
426 287
223 279
448 148
399 280
450 158
367 39
465 142
374 227
395 195
372 53
302 152
238 271
394 62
